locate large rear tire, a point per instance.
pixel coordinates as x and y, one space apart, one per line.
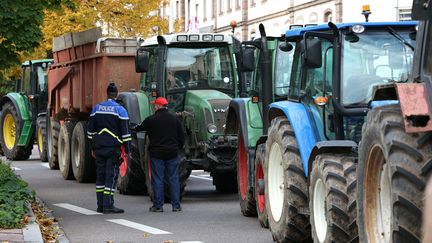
64 150
260 186
245 189
392 173
332 198
83 164
53 135
41 136
286 188
131 180
10 130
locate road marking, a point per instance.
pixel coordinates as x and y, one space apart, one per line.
190 241
46 165
200 177
76 209
137 226
16 168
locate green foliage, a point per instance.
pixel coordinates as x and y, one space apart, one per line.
14 196
20 31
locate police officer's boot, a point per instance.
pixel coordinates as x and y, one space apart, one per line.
112 210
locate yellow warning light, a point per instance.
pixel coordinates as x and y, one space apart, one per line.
366 8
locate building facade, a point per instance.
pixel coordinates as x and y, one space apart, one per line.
277 15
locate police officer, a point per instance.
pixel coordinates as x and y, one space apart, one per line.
166 137
108 130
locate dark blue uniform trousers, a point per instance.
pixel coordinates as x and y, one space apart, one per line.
106 178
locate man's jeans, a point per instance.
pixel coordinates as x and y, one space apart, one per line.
159 169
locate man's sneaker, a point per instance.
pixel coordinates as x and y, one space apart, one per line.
179 209
112 210
99 209
155 209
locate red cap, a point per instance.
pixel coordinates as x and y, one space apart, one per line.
160 101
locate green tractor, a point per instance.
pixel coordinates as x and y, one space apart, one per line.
270 58
197 74
23 113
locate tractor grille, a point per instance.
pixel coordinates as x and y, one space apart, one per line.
219 110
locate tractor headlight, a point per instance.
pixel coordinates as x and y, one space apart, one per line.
211 128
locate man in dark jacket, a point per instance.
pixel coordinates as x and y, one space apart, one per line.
108 130
166 137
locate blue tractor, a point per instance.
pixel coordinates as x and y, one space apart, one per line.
311 145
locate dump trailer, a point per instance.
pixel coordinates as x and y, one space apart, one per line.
23 113
197 75
396 149
311 147
84 65
270 59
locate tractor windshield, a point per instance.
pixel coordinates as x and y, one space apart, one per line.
372 58
199 68
42 77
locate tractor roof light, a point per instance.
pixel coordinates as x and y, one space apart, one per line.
358 28
218 38
182 38
207 37
194 37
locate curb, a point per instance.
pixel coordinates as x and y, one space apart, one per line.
61 236
32 232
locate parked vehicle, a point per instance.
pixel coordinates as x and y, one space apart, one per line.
197 75
311 146
84 65
23 113
271 66
394 155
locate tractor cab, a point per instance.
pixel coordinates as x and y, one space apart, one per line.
338 68
34 83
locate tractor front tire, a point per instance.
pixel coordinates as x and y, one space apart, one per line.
392 173
332 198
244 174
10 131
260 186
286 187
41 136
64 150
83 164
131 180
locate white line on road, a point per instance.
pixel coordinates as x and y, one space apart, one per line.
45 165
76 209
137 226
16 168
200 177
190 241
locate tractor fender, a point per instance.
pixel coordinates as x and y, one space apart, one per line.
333 146
137 105
21 104
301 124
237 117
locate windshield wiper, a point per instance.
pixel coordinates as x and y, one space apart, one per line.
399 37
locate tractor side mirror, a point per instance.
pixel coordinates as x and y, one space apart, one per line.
285 46
312 53
141 61
248 60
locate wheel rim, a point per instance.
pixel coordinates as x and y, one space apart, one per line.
77 154
377 191
61 148
242 167
320 222
260 197
9 131
40 140
276 182
49 142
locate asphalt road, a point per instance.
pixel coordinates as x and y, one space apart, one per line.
207 216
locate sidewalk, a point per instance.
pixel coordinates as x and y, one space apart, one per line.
29 234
